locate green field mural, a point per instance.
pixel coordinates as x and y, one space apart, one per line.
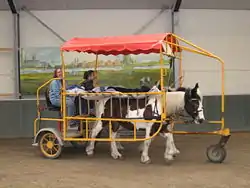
38 64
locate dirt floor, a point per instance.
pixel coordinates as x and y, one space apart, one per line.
22 167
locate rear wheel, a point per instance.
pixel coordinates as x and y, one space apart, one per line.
49 145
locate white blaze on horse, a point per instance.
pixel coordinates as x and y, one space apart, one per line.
182 102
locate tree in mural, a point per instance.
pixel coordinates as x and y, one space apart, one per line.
128 60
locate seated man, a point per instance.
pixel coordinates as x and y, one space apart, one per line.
88 84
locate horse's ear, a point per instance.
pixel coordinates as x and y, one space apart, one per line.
196 85
194 90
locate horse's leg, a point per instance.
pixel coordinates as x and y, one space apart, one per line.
176 151
114 151
144 156
96 129
118 143
152 132
169 144
141 146
170 129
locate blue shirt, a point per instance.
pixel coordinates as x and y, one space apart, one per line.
55 90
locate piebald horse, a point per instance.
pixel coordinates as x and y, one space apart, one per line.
182 102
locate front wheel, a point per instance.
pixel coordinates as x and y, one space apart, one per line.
216 154
49 146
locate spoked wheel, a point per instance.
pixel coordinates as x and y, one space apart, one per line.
216 153
50 146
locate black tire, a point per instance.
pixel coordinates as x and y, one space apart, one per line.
216 154
49 146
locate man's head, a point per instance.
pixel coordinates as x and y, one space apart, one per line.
89 75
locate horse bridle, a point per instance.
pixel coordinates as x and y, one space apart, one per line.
189 101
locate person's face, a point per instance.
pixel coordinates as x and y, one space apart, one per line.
59 73
91 76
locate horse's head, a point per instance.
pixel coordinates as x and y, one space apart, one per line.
193 104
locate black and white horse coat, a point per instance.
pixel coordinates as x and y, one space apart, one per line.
183 102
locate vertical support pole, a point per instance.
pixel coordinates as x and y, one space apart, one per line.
163 92
87 129
95 73
111 106
137 105
135 135
88 105
63 95
80 104
17 59
176 72
110 130
120 105
173 65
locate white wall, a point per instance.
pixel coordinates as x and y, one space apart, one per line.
88 23
7 69
225 33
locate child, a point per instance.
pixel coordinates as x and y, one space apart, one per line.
88 84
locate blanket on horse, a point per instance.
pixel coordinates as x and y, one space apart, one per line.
75 89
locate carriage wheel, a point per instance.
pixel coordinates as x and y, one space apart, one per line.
216 154
50 146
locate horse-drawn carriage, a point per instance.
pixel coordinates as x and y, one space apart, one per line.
155 110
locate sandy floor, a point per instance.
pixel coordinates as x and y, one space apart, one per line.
22 167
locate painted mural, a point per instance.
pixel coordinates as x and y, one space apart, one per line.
38 64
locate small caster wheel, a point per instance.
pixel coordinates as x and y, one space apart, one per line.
216 154
50 146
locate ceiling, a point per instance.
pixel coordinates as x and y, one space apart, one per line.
126 4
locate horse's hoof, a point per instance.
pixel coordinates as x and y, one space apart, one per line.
90 154
168 161
121 157
116 157
146 162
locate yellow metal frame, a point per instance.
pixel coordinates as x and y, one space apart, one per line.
198 50
36 128
195 49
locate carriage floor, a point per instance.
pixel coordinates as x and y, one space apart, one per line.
21 167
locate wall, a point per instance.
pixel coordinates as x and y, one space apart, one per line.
7 68
225 33
88 23
17 117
